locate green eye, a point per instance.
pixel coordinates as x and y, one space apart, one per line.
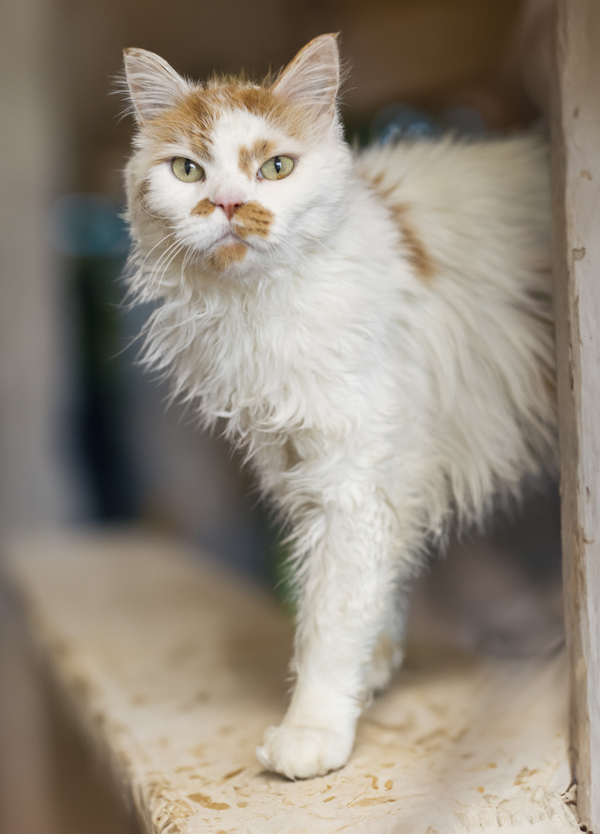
277 168
186 170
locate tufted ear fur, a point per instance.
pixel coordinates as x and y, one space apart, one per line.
312 78
153 84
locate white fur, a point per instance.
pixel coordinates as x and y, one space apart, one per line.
375 406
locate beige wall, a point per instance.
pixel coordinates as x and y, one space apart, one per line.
34 487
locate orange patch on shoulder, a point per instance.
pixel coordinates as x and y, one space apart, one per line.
412 244
250 159
203 208
253 219
414 248
384 193
225 256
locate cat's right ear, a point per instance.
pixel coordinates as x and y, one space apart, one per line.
152 83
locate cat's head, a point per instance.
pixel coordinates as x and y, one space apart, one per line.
234 175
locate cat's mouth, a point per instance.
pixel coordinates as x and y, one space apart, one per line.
229 237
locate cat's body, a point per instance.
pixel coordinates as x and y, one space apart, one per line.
375 330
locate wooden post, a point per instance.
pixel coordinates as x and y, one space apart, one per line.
576 175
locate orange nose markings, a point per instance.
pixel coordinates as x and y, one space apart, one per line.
248 218
203 208
253 219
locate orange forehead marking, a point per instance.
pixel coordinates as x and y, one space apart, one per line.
253 219
226 255
204 208
191 120
250 159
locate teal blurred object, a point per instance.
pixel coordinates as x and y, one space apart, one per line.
90 232
88 225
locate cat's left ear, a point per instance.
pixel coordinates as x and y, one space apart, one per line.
313 77
153 84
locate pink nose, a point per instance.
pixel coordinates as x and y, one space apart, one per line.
228 207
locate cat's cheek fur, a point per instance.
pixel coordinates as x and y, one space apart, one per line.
176 201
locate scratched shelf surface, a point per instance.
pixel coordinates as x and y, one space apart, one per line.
174 670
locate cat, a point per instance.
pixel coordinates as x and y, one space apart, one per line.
374 328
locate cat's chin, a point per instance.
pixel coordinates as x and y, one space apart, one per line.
231 258
228 255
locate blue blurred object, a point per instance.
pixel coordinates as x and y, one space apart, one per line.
403 121
463 120
87 225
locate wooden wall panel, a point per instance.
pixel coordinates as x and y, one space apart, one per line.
576 149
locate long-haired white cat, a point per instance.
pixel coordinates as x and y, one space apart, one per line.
375 328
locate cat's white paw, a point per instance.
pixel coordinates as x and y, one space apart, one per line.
302 752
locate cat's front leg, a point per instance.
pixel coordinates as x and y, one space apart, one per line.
347 585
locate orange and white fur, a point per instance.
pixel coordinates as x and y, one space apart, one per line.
374 328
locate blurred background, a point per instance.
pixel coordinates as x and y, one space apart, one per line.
86 436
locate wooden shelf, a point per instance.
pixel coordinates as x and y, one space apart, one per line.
174 670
